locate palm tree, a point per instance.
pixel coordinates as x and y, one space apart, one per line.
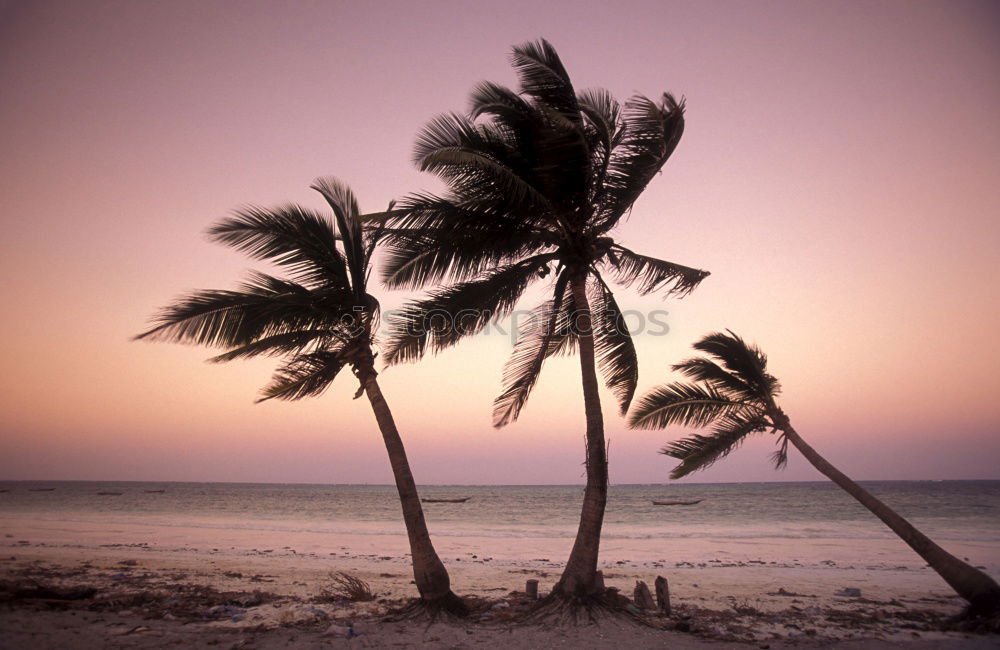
536 180
321 319
735 395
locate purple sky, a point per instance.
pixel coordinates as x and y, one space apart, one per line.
838 176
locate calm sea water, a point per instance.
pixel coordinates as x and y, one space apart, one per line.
967 511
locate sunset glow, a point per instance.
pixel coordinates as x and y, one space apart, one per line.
837 177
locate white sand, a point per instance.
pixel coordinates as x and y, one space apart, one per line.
750 579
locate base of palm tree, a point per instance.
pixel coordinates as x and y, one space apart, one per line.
447 606
559 608
984 611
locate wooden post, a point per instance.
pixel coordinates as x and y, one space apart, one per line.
663 594
643 599
531 588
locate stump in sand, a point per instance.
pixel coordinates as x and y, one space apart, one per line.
662 594
531 588
643 599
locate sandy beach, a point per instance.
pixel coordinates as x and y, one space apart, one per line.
66 586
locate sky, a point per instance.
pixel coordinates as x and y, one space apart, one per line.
838 177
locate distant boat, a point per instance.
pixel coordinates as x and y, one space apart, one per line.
462 500
41 489
676 503
154 491
109 494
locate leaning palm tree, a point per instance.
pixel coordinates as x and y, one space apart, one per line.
735 395
536 181
321 320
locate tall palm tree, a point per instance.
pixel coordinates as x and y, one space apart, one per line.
536 180
321 320
734 394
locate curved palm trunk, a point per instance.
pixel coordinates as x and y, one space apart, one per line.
579 576
429 573
972 584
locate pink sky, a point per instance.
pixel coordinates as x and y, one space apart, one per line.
838 177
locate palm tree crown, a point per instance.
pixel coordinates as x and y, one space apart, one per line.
536 180
734 395
321 318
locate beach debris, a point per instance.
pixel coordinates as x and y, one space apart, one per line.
643 599
461 500
531 589
339 631
43 592
791 594
662 595
233 613
345 586
110 494
849 592
743 607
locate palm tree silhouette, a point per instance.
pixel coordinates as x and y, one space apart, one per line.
536 179
321 320
735 395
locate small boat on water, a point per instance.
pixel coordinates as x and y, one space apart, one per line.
41 489
462 500
676 503
110 494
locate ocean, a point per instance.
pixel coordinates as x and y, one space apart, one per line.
741 520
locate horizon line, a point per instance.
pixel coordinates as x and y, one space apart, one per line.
440 485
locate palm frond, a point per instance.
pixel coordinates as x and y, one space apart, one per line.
374 231
499 101
542 76
603 114
686 404
544 333
651 134
744 360
345 210
447 315
616 356
418 258
476 161
433 238
280 344
263 306
699 451
603 111
653 274
780 456
300 240
706 370
305 375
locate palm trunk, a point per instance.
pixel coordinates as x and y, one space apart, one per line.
579 577
429 573
971 584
